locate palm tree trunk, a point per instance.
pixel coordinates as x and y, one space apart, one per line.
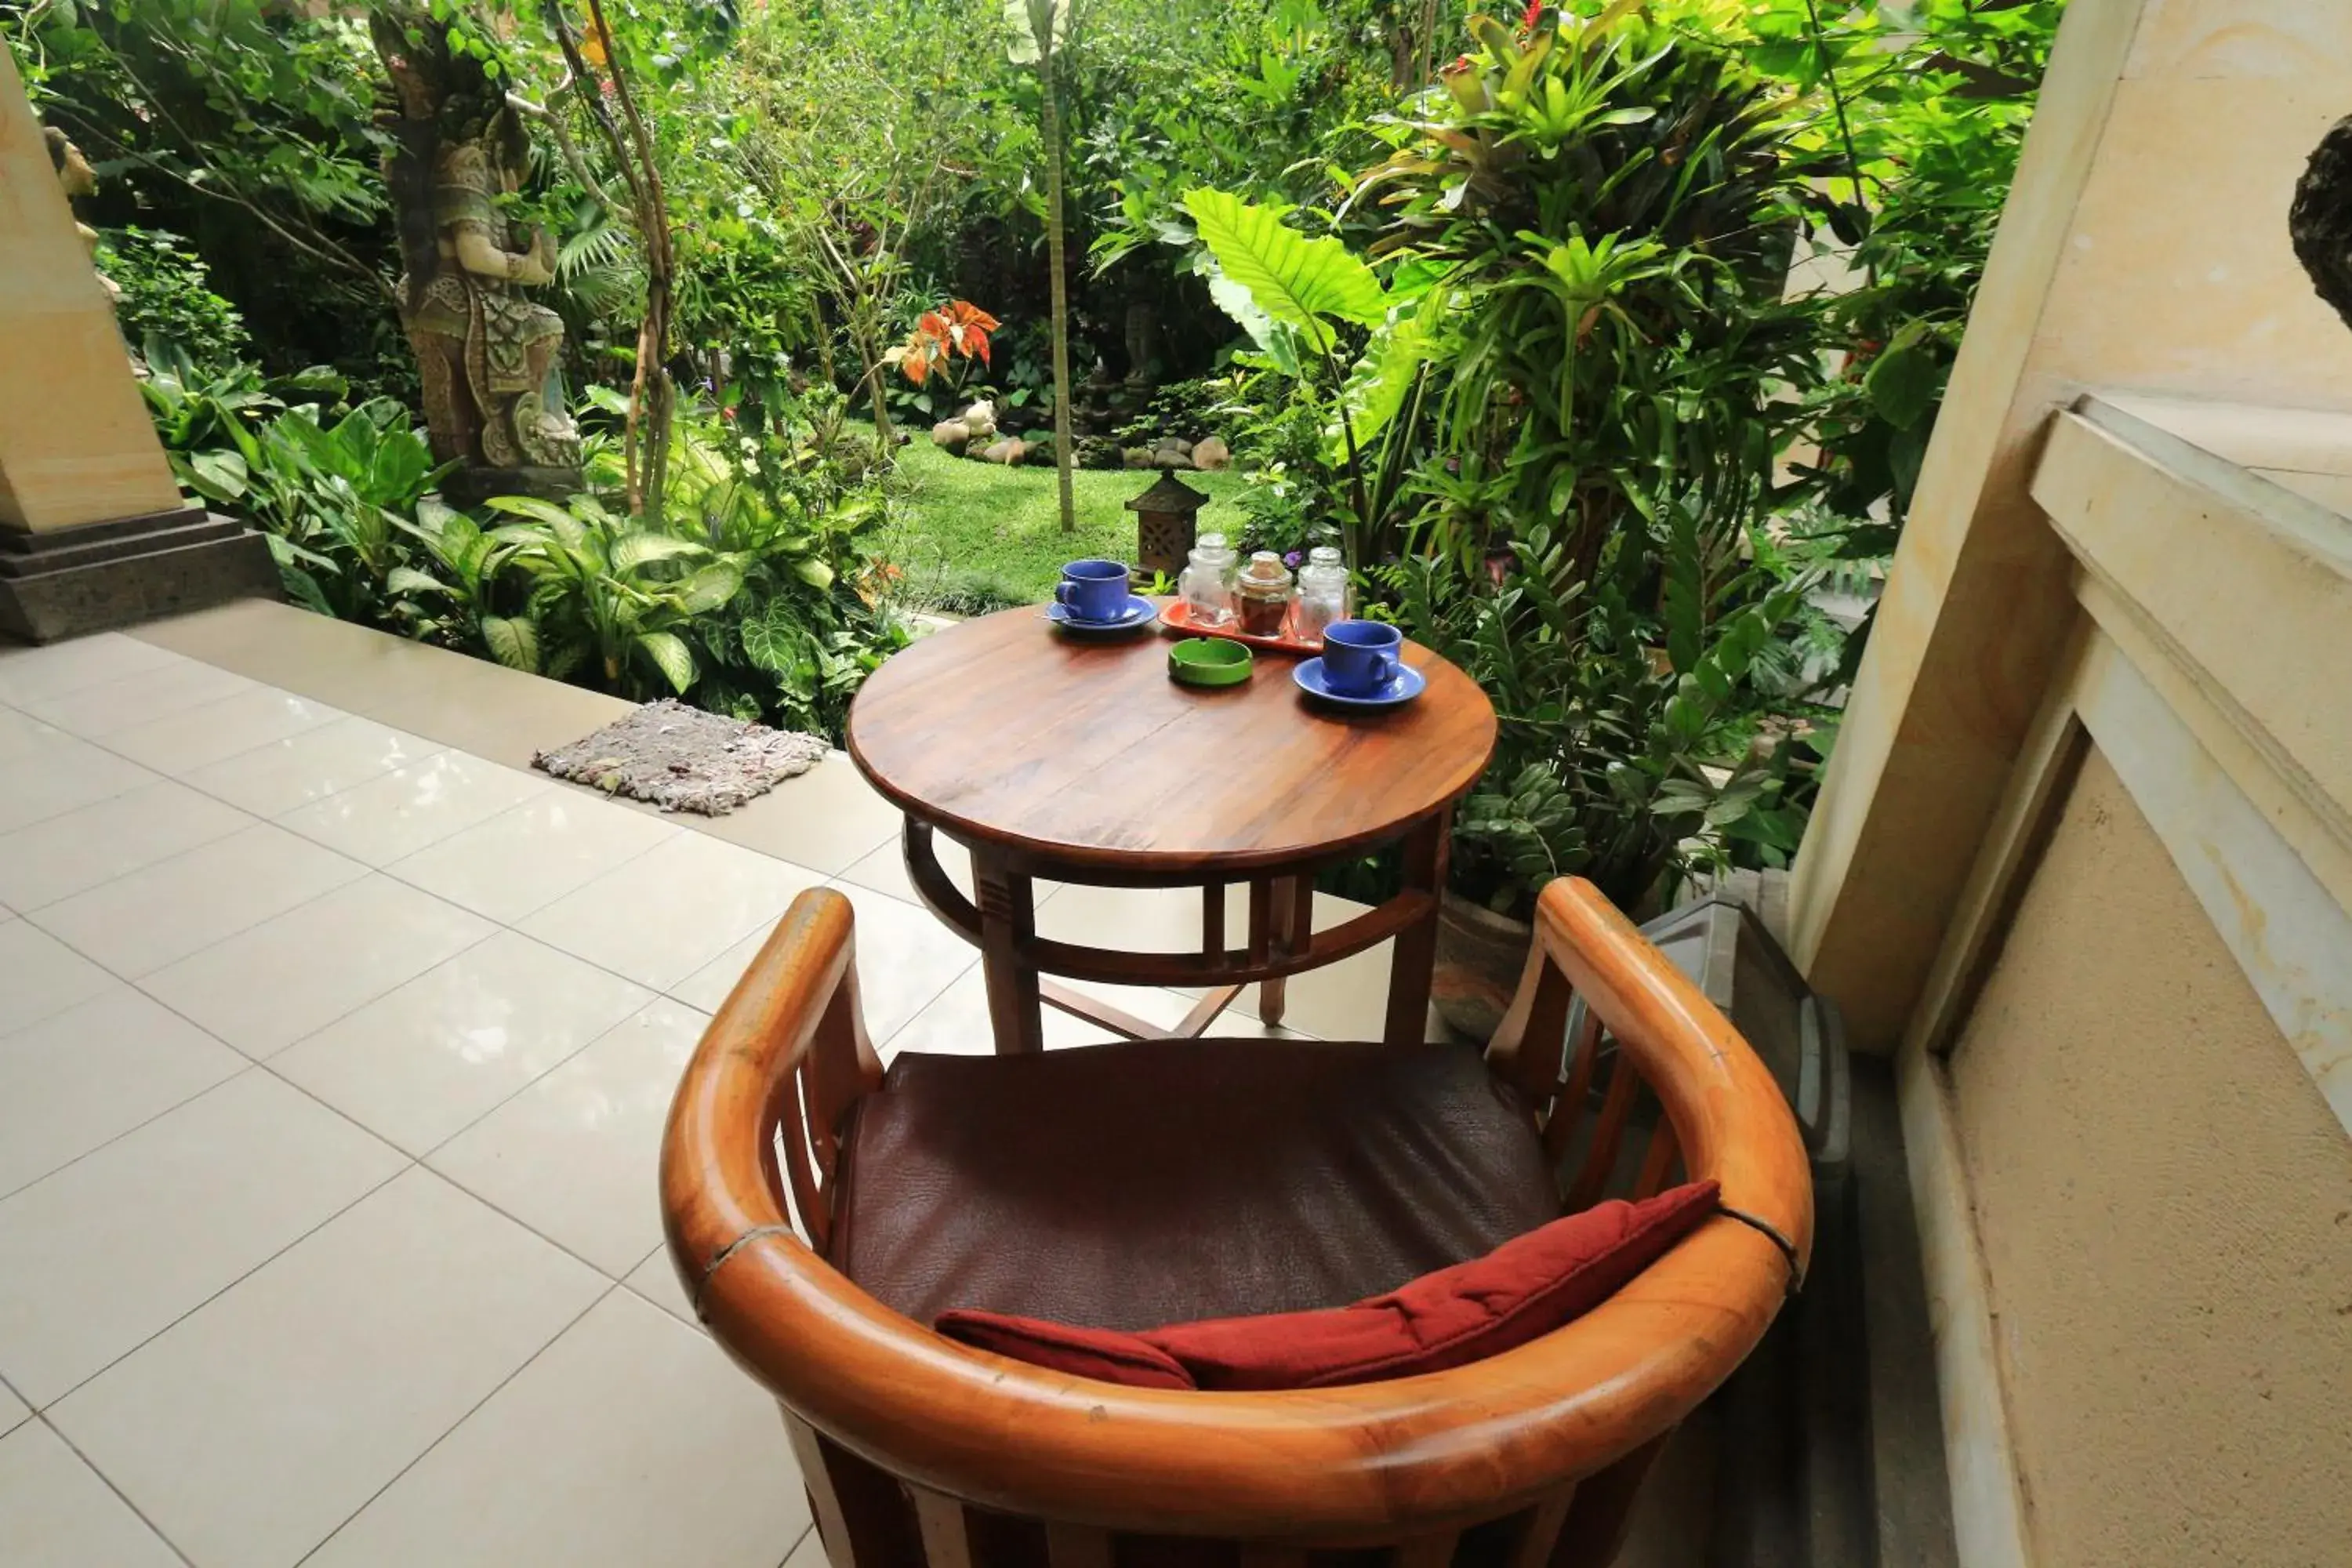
1051 97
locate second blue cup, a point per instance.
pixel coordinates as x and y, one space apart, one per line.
1360 658
1093 590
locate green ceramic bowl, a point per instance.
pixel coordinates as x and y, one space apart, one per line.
1210 661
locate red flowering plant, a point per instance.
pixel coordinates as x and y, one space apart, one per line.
958 329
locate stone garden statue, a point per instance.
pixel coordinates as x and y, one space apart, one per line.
78 180
489 357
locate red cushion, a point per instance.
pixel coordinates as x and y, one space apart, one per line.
1105 1354
1520 1291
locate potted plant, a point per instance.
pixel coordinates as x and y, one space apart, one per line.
1611 763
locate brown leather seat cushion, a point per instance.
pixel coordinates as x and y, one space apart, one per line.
1130 1185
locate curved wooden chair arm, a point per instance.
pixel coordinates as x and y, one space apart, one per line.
1374 1461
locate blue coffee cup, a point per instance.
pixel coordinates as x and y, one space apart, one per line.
1360 658
1093 590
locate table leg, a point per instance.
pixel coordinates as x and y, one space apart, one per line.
1008 917
1292 927
1414 957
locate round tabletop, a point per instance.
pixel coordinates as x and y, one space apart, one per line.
1003 730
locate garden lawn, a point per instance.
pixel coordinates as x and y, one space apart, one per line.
970 532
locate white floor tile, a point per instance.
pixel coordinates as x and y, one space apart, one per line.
631 1440
183 743
160 914
656 1280
257 1426
30 674
672 910
827 818
55 774
20 735
272 780
75 852
411 807
94 1072
575 1156
13 1410
418 1065
55 1512
41 977
114 1248
526 858
265 988
906 956
95 710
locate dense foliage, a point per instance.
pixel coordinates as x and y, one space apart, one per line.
1605 335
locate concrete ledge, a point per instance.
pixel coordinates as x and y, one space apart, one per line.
68 581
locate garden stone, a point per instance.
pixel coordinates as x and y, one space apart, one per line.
1137 458
1211 455
1010 452
953 435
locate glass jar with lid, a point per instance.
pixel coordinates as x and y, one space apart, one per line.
1323 591
1263 594
1207 584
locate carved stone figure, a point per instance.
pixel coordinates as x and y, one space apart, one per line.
2320 222
79 180
489 357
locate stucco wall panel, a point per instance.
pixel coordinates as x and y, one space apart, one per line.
2164 1207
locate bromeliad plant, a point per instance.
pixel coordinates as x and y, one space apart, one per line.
1611 201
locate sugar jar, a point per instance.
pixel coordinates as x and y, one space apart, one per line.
1323 592
1208 582
1264 594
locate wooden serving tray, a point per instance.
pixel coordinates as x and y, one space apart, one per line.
1177 615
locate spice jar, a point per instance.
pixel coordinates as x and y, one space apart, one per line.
1323 593
1208 580
1264 594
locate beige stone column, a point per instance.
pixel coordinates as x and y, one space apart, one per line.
76 446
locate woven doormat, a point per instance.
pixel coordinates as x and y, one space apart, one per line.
682 759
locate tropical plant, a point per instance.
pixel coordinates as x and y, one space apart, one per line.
166 293
608 595
1621 754
1611 201
957 330
1296 297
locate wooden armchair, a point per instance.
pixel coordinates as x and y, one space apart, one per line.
917 1449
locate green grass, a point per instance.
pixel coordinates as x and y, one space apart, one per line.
972 527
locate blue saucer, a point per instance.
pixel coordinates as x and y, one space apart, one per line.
1139 612
1403 687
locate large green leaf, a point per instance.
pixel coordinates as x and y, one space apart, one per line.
513 640
409 579
1300 282
709 588
1380 379
1902 381
645 547
668 652
217 475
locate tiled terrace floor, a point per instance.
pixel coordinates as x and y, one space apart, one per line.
334 1053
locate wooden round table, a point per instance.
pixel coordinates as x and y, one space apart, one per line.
1080 761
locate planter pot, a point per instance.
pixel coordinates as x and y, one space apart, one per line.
1479 956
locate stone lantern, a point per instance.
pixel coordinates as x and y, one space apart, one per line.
1165 517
